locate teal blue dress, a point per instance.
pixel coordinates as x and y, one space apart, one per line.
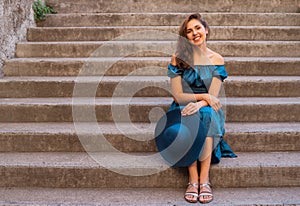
197 80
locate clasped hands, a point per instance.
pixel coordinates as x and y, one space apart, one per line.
193 107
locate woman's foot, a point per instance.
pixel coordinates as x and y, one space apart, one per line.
191 194
205 195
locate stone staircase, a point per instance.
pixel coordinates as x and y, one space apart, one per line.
43 159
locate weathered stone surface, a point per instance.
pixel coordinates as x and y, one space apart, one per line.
168 19
89 66
157 196
264 137
41 144
141 86
257 86
154 49
142 66
63 137
15 17
117 109
69 169
130 33
90 6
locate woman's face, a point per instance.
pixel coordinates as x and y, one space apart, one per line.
196 32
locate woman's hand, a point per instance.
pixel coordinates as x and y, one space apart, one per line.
213 101
191 108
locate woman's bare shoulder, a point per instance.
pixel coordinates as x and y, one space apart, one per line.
216 58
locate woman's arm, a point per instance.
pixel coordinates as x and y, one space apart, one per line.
210 99
216 84
182 98
177 91
214 90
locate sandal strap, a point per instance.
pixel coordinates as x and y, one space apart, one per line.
207 186
191 194
195 185
206 194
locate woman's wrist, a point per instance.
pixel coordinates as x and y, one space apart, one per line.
202 97
201 104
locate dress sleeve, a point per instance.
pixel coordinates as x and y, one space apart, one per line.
220 72
174 71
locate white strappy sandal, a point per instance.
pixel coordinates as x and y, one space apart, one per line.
206 193
193 194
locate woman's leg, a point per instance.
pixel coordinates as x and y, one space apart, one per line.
193 173
193 179
205 161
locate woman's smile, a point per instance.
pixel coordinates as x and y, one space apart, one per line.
196 32
197 38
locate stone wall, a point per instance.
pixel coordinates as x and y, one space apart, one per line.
15 17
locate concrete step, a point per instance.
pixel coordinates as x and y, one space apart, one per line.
154 48
106 170
71 6
287 33
138 137
153 66
139 109
168 19
140 86
108 86
257 86
146 196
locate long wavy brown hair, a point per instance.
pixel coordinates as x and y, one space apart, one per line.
185 49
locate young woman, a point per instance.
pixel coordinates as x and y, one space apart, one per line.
196 74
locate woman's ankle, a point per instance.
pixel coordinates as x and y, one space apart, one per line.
204 180
194 181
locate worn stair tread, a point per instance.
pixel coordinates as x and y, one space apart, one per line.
109 33
143 100
167 13
123 48
287 33
161 61
152 42
152 6
170 19
68 101
167 59
139 137
139 86
146 196
69 128
262 79
150 66
157 79
84 160
79 160
156 27
122 109
88 79
69 169
142 128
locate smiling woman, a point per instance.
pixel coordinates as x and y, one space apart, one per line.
193 30
196 75
196 32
